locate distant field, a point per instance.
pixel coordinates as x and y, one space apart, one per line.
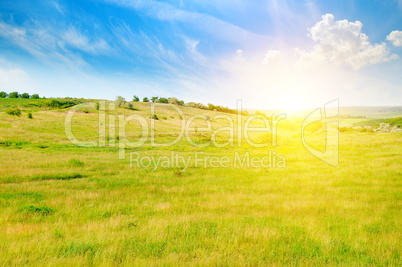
368 112
63 204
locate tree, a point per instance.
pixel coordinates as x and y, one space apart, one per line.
35 96
163 100
154 98
120 101
3 94
136 99
25 95
181 103
145 99
13 95
130 106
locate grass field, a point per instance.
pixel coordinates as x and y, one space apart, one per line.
63 204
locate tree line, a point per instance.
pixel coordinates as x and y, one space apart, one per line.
175 101
18 95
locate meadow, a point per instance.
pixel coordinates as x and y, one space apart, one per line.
63 204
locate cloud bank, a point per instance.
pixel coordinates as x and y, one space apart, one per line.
343 42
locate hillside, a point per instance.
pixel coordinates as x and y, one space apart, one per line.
194 202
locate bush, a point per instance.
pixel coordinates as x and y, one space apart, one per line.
29 115
164 100
25 95
196 105
145 99
3 94
173 100
13 95
130 106
14 111
154 117
97 105
120 101
136 99
35 96
154 98
54 103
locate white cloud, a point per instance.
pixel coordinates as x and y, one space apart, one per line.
57 6
48 44
272 57
14 78
395 37
218 28
342 42
239 52
76 39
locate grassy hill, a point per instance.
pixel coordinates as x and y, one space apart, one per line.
63 204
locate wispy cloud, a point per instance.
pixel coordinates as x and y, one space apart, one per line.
218 28
57 6
52 45
72 37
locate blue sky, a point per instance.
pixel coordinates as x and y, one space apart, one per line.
270 54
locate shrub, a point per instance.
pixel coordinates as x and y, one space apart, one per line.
130 106
136 99
154 117
163 100
120 101
145 99
13 95
181 103
54 103
154 98
3 94
196 105
97 105
173 100
85 111
14 111
25 95
35 96
29 115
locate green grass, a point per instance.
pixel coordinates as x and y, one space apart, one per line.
376 122
62 204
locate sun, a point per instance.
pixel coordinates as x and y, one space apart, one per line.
292 104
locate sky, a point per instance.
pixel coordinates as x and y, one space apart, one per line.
269 54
